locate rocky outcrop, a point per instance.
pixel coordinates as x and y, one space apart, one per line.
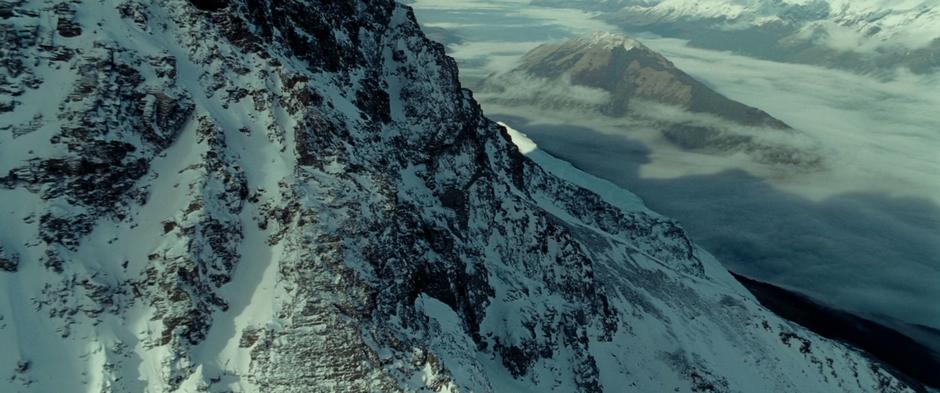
9 262
298 196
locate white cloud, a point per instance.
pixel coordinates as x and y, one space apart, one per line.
495 56
520 88
883 135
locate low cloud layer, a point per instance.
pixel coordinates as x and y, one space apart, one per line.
880 135
502 30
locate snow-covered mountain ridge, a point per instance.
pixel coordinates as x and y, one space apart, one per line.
856 34
298 196
913 23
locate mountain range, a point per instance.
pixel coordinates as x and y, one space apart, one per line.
871 36
268 196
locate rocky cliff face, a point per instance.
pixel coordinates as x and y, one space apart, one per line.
298 196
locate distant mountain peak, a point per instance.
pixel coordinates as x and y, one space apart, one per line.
617 76
635 73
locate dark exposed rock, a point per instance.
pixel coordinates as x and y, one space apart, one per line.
312 35
99 171
7 106
209 5
64 230
68 28
66 25
9 262
16 56
249 338
135 11
6 9
373 100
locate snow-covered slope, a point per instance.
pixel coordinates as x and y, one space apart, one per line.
297 196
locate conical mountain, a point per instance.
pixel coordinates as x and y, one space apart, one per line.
629 70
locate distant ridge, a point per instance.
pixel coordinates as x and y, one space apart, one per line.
629 70
614 75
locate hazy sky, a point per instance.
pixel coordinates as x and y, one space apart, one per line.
862 232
